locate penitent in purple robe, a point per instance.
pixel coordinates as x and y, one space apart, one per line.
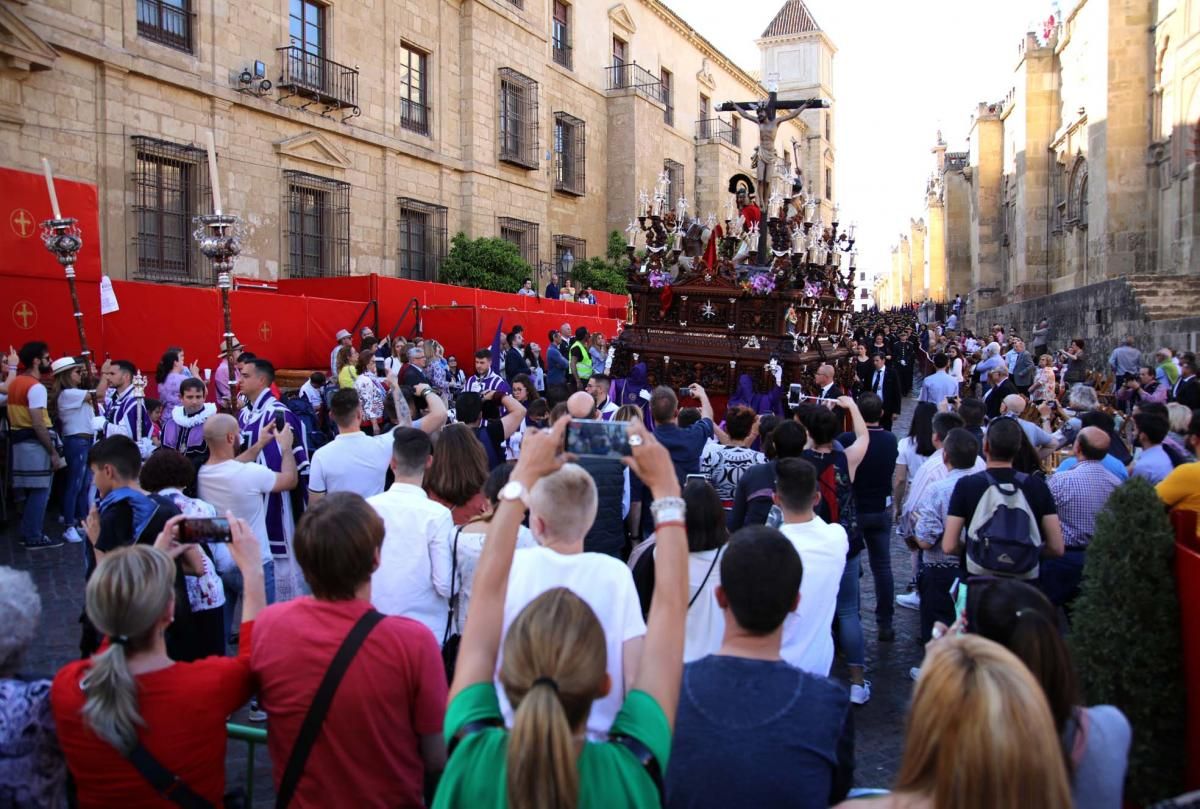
253 419
184 432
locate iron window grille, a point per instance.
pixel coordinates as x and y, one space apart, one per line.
562 245
317 226
668 96
167 22
423 239
518 119
521 233
414 91
561 34
170 187
829 184
675 184
570 154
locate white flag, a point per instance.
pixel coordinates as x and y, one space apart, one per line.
108 297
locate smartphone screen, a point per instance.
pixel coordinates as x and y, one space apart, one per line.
795 394
604 439
280 421
205 529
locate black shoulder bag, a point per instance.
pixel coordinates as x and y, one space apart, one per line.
704 581
315 717
166 783
450 638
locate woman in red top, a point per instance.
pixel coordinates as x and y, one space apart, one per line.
131 693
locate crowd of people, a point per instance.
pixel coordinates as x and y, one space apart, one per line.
427 601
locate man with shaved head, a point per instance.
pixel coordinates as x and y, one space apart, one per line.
1079 493
607 534
826 387
230 484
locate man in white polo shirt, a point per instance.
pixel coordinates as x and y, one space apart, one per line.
354 461
807 634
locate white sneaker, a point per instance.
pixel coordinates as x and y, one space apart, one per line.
914 672
860 694
72 535
910 601
256 713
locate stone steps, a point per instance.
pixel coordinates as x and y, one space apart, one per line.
1166 297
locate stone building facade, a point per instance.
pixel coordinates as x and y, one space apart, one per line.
358 137
1084 174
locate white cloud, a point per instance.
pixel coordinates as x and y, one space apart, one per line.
903 70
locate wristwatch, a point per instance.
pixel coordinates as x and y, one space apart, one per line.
515 490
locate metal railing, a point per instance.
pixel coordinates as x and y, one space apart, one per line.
165 24
562 54
634 77
414 116
710 129
323 80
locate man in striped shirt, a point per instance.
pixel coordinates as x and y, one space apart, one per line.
484 380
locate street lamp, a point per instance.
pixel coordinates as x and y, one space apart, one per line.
568 263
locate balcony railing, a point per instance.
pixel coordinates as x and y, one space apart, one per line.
714 129
315 77
414 116
165 24
636 78
562 54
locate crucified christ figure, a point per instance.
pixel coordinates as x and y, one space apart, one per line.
765 115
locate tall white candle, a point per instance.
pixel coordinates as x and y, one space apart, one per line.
50 188
212 173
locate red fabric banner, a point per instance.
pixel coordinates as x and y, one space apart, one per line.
26 204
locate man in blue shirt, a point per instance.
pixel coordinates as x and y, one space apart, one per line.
750 730
1152 463
939 385
684 444
556 361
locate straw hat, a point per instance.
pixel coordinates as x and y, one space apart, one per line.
64 364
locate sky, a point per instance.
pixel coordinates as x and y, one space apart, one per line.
903 70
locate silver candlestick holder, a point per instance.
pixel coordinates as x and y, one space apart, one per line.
220 238
63 238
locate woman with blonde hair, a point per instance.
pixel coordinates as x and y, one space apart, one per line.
979 734
130 709
347 359
554 667
1044 386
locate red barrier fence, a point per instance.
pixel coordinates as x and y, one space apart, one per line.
1187 582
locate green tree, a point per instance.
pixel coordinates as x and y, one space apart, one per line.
493 264
1125 635
607 274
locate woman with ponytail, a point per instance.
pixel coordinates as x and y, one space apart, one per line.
1095 740
170 375
554 667
131 699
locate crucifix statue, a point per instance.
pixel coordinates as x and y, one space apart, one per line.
764 114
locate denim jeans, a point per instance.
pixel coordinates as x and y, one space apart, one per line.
1059 578
934 583
877 531
79 479
849 622
269 580
35 513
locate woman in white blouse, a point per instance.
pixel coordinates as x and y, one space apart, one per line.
73 410
955 366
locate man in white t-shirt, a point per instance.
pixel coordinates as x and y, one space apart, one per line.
357 462
234 483
807 633
562 507
413 577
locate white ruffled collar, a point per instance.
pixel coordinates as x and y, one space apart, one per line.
178 416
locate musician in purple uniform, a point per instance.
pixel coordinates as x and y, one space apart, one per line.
486 379
262 409
183 427
124 409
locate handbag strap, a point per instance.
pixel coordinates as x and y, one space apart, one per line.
700 589
453 579
321 703
166 783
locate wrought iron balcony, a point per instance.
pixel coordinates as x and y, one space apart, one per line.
637 78
714 129
562 53
318 80
165 23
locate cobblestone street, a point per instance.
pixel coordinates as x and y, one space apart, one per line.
879 724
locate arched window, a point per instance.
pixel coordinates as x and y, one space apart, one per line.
1077 207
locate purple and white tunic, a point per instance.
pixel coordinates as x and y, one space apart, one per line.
186 433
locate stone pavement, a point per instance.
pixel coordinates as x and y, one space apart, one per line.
879 724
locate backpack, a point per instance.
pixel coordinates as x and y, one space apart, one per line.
302 409
1003 538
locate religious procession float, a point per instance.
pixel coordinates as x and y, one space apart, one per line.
745 306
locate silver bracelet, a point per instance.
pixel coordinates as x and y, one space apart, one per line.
668 509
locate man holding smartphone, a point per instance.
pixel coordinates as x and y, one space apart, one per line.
684 444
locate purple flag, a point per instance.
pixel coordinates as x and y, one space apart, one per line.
496 351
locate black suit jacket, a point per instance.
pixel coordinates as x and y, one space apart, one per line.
996 397
1188 393
892 398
